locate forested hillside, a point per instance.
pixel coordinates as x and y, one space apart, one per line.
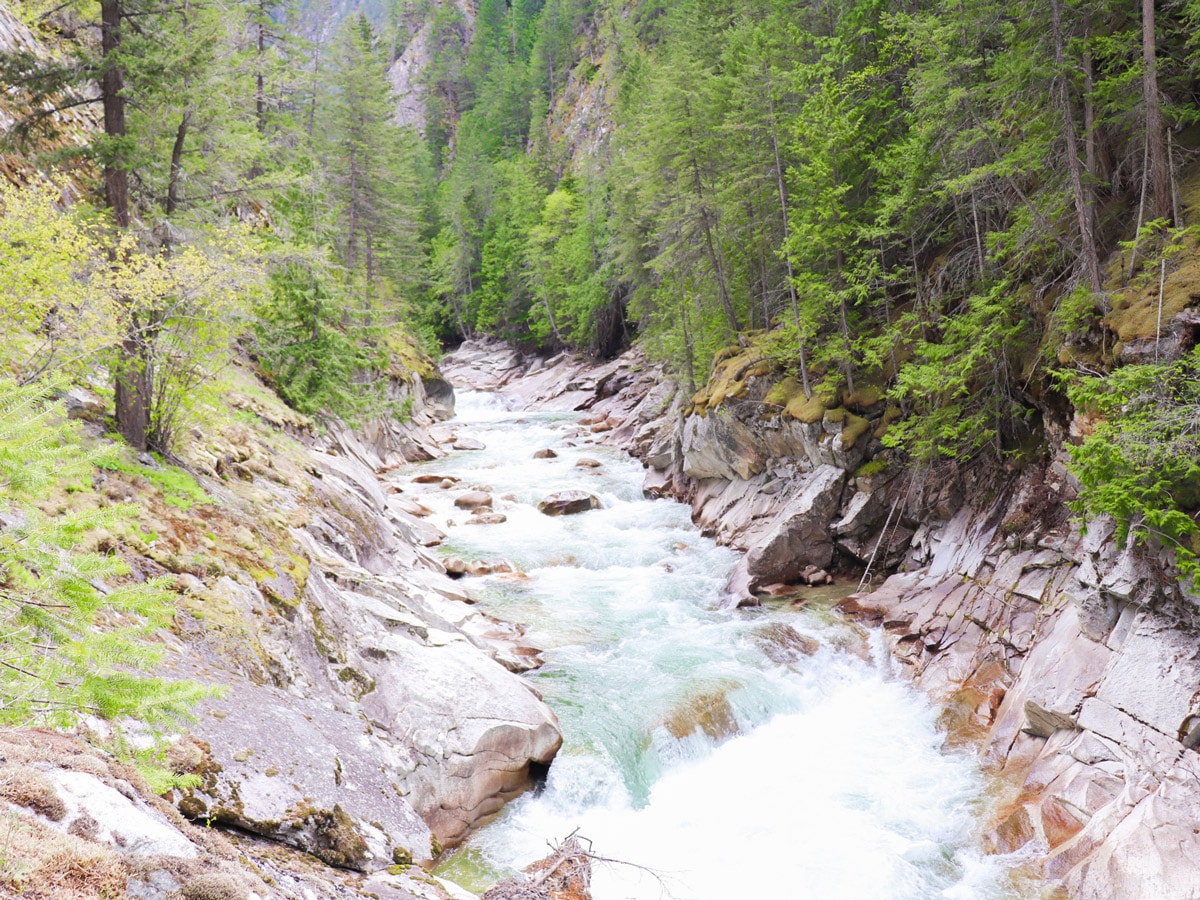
969 212
920 201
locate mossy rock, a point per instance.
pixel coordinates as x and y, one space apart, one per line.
836 416
788 395
1135 313
871 468
726 353
806 410
864 397
783 392
853 429
29 788
890 415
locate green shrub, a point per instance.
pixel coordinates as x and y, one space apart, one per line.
1141 463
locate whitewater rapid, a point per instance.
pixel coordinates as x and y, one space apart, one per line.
712 755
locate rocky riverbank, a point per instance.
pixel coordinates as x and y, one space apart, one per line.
1070 664
367 715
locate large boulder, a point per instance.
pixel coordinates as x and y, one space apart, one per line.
301 773
474 500
800 535
566 503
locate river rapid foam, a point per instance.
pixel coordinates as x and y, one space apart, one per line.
713 755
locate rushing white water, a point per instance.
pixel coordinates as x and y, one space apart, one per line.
706 750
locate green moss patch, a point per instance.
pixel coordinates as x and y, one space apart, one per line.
177 486
1135 312
864 397
853 429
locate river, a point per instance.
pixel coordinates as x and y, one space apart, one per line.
715 755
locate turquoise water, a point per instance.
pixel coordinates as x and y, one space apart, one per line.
715 754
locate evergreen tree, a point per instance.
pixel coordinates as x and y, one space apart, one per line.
75 631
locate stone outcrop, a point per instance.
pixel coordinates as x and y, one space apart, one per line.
798 536
80 823
407 71
1079 677
369 714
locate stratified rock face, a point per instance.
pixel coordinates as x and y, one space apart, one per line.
739 440
1088 712
568 503
368 707
800 534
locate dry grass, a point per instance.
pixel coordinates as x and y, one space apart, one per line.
40 863
29 788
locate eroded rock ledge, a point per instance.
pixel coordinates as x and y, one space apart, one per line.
367 715
1072 665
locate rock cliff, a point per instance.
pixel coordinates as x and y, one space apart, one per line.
1072 665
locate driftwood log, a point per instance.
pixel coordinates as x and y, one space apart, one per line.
566 874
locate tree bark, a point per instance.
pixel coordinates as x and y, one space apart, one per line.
177 163
131 376
1160 175
112 81
260 96
1087 238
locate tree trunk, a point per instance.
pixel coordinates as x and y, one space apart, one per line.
787 250
1160 176
260 98
1091 262
132 395
116 178
177 163
132 375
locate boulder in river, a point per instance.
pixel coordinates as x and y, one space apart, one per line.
465 443
708 712
783 644
432 478
474 500
547 453
565 503
487 518
588 463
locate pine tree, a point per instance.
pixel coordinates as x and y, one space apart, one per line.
75 632
374 170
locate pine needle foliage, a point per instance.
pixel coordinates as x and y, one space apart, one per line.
1141 462
75 638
